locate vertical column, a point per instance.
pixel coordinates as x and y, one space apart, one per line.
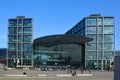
102 50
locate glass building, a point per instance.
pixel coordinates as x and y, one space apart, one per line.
20 34
59 50
100 52
3 52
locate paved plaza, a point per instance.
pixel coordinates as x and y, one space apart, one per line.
33 75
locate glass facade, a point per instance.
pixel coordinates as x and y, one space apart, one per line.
60 55
3 52
99 52
19 42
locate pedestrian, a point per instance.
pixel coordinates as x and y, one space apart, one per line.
89 70
75 72
71 71
24 73
81 70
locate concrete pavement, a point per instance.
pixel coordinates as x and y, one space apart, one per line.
33 75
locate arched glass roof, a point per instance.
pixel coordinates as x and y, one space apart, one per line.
53 40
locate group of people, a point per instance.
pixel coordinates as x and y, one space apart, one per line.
74 71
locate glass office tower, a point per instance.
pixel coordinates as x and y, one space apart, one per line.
19 52
100 52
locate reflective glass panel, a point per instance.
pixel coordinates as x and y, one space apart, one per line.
26 47
108 38
12 38
100 30
12 30
91 64
12 22
19 22
108 46
108 21
91 55
99 21
91 46
100 46
100 38
27 30
27 54
27 62
108 55
99 54
91 30
12 46
27 22
27 38
92 36
107 30
20 30
91 21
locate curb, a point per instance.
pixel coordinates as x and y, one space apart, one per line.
42 75
82 75
63 75
14 75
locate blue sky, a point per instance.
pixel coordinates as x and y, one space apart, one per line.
55 16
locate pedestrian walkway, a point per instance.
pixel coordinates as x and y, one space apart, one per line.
53 75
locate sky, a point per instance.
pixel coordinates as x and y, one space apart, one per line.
55 16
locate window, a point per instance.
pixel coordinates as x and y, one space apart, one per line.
91 46
100 54
27 38
20 38
92 36
91 55
27 30
27 22
20 30
100 38
27 54
108 54
12 22
91 21
107 30
99 21
27 62
12 30
91 30
12 46
19 54
108 46
27 47
12 38
108 21
19 47
108 38
91 64
11 54
20 22
100 30
100 46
